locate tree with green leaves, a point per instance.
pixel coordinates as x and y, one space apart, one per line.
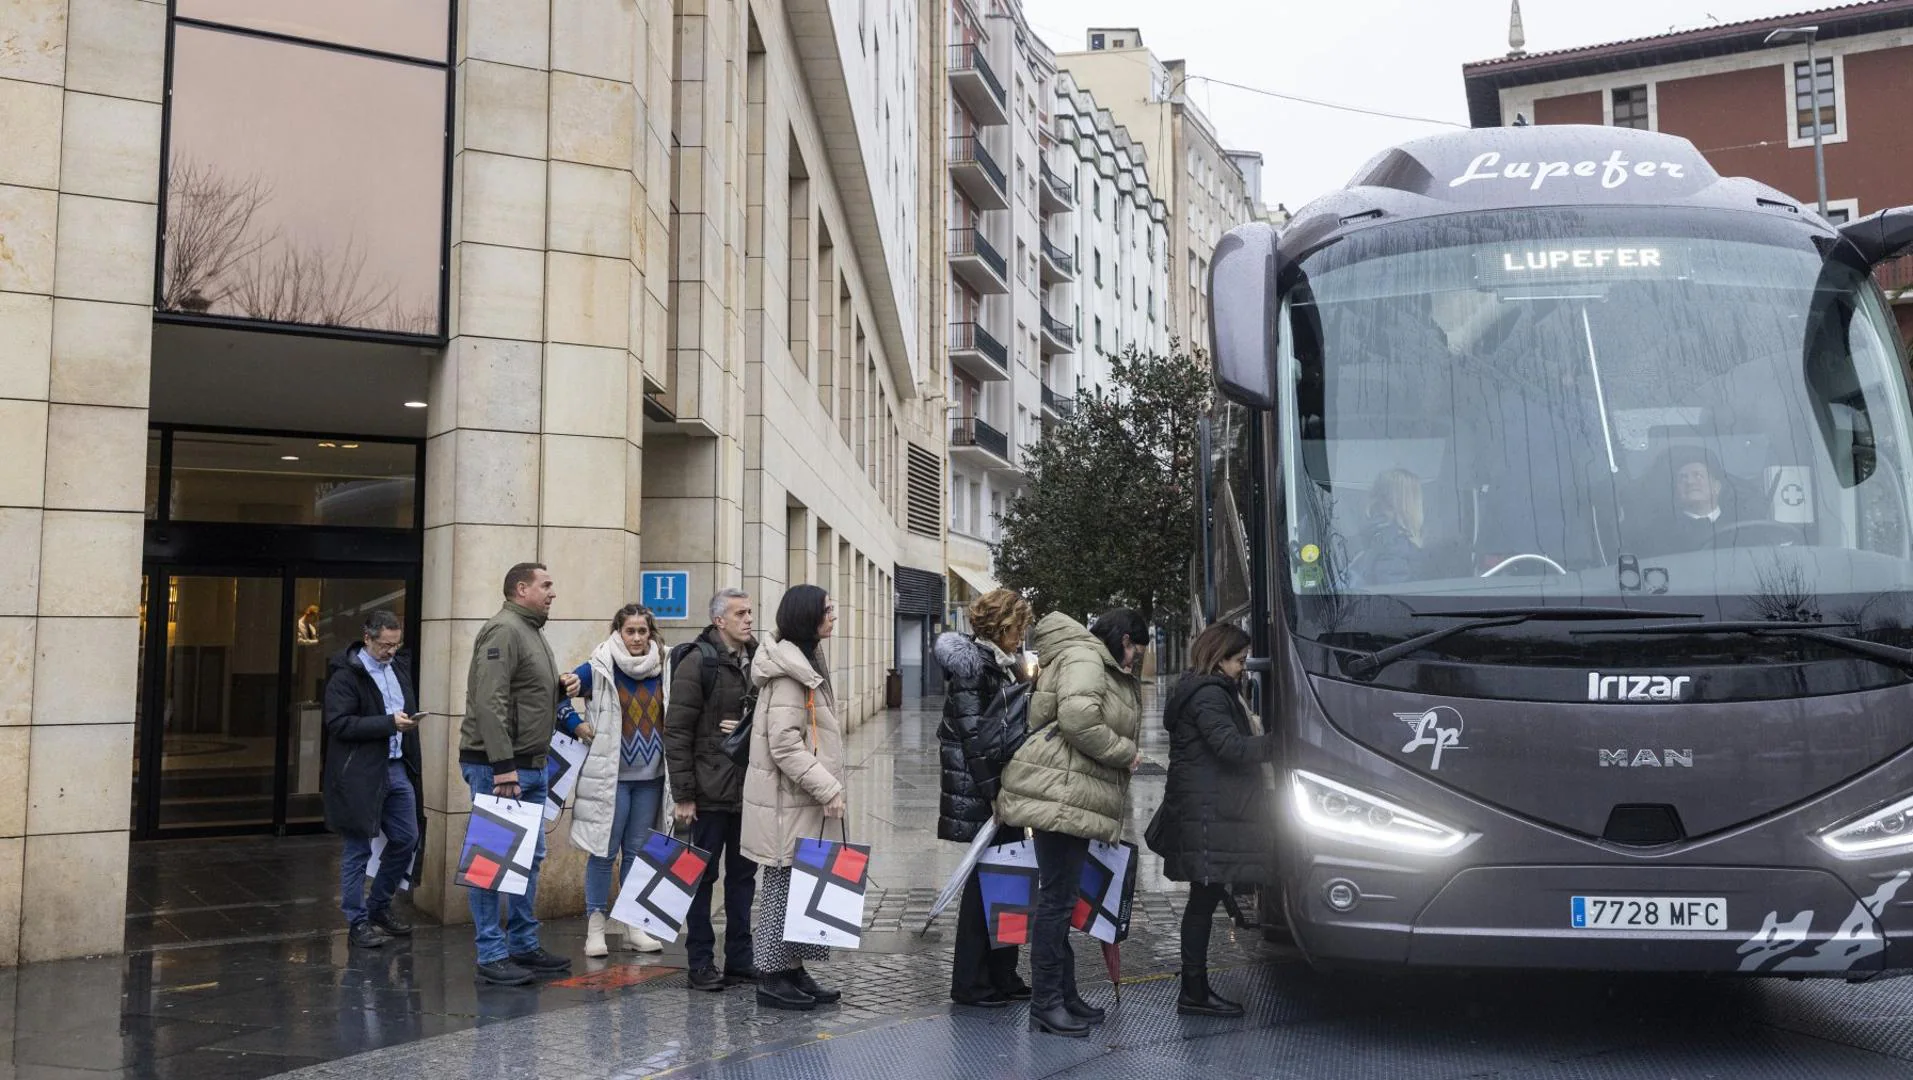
1108 518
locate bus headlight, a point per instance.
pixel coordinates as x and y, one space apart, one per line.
1875 832
1347 813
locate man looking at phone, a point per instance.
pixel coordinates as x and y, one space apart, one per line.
511 704
371 777
711 694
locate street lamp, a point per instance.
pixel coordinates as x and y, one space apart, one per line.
1787 35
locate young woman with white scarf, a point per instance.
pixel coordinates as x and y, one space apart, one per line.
620 792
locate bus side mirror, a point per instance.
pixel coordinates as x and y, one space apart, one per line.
1883 235
1242 322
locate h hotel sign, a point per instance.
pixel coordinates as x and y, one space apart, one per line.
668 593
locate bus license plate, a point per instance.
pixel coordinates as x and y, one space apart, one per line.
1648 913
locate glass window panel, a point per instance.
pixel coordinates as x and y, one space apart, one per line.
407 27
221 697
305 185
262 479
152 474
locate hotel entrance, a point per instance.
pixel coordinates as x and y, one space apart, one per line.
265 552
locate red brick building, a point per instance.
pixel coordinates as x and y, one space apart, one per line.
1746 105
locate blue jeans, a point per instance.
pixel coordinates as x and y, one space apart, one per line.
398 820
521 925
635 817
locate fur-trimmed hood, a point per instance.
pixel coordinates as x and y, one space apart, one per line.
963 657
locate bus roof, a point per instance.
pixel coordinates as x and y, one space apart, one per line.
1530 166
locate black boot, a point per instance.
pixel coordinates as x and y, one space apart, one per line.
802 981
1197 999
1083 1010
1057 1020
778 990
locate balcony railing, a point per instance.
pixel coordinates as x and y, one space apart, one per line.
1057 403
1059 187
969 150
969 57
1064 260
969 336
970 431
971 242
1059 330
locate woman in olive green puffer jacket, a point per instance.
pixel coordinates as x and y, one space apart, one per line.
1070 783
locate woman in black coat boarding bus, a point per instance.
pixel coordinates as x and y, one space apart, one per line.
1216 825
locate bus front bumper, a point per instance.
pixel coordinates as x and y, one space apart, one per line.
1769 921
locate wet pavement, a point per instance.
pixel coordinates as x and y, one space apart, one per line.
237 969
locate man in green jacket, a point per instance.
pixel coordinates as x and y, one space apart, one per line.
511 702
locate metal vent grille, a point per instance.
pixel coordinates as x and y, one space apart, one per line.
919 592
924 512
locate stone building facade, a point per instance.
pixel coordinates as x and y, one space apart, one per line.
306 311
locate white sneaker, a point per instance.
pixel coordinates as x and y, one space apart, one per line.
594 935
637 940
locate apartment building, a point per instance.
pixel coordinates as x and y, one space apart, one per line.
626 286
1007 294
1201 183
1746 99
1118 237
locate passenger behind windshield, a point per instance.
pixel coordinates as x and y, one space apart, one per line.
1390 551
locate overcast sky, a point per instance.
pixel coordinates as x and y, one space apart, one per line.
1393 55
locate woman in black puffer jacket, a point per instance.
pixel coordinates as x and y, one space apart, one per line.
975 743
1216 826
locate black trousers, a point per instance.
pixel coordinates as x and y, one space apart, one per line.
1198 919
978 967
719 832
1059 876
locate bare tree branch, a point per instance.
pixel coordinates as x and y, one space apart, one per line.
310 284
209 231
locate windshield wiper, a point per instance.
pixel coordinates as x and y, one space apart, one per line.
1890 655
1367 664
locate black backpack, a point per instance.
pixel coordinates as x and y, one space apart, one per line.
737 745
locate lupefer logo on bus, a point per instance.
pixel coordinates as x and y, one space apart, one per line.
1614 171
1636 687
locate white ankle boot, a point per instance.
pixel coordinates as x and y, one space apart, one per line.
637 940
594 935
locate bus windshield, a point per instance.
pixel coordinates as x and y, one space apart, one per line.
1648 407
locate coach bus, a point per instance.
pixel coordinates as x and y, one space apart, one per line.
1563 485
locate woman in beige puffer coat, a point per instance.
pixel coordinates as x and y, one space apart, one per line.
1070 783
795 782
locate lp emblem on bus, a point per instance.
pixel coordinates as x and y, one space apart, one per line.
1439 727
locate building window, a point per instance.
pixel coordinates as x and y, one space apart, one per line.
1099 333
956 503
1823 81
282 480
1097 196
1099 267
286 224
1841 211
1630 107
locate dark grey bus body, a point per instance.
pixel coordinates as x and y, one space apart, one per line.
1470 392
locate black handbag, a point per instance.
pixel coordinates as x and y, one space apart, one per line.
737 745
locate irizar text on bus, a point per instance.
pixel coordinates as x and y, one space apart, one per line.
1636 687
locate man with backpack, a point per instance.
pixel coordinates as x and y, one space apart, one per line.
711 696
